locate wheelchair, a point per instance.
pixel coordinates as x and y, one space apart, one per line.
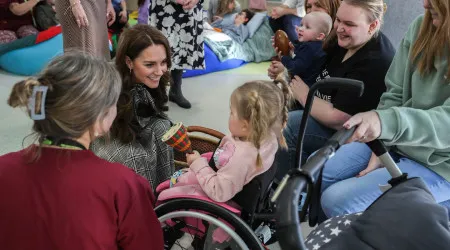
258 206
215 221
255 221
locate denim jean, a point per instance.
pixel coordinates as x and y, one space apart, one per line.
343 193
316 135
286 23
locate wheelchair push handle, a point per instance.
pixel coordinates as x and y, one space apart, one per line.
343 84
341 136
288 221
332 83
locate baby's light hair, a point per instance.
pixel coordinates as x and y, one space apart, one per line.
323 21
263 105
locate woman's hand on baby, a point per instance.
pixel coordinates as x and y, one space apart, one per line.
374 163
299 89
275 69
277 51
79 14
190 158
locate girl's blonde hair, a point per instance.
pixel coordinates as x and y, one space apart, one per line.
433 42
263 105
81 89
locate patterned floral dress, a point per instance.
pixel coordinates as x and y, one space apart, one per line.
183 29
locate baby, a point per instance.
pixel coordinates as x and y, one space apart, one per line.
306 56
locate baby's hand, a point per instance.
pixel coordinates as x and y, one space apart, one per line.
291 49
190 158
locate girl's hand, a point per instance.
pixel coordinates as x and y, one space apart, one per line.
374 163
79 14
275 69
190 158
299 89
369 126
110 14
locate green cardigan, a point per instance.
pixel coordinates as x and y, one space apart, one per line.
415 110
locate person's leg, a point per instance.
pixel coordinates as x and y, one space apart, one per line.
348 161
175 93
26 30
315 137
356 194
7 36
289 23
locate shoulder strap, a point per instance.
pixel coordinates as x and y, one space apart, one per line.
211 162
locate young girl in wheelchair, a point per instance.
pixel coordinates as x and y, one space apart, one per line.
258 114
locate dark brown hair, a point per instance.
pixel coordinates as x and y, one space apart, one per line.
132 42
248 14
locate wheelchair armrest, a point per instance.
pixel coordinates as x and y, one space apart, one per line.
207 131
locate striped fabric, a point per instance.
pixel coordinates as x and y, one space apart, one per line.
92 39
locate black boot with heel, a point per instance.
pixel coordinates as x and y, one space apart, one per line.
175 94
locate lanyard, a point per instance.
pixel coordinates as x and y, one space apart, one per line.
63 143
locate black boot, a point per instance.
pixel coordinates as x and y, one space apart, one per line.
175 94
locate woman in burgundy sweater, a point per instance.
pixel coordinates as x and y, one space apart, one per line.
57 194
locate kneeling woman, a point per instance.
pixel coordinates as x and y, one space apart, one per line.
143 60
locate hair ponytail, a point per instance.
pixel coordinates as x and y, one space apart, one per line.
263 105
257 123
286 98
21 93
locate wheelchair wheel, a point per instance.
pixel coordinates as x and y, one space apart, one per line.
204 232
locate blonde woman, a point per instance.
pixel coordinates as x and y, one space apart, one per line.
412 118
362 53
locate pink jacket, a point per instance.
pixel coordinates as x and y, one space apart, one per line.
236 164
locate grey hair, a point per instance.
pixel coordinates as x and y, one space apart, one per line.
81 89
